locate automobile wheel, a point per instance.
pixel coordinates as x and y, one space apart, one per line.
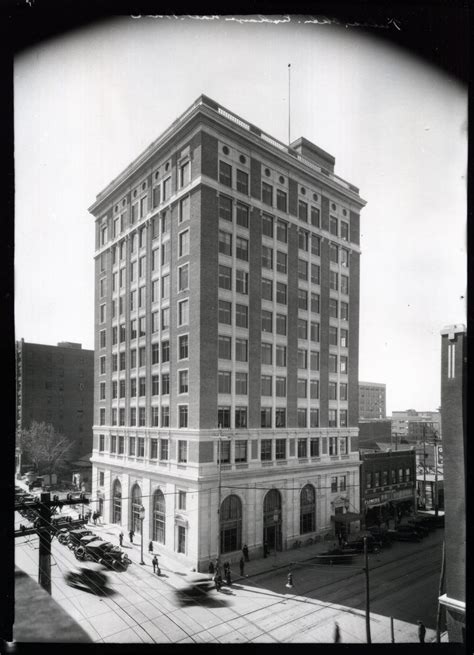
80 553
62 539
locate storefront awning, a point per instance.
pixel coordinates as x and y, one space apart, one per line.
348 517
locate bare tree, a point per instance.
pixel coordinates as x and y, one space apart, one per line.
45 448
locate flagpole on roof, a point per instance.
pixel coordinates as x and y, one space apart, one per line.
289 105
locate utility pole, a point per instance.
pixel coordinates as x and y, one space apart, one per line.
424 466
367 593
219 492
44 528
435 446
44 533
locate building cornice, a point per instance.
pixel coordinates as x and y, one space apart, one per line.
222 116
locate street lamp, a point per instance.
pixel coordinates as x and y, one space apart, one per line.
141 514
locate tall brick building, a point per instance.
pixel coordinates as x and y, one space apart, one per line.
372 400
227 312
55 385
453 421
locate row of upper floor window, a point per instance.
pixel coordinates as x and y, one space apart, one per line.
385 477
155 416
269 385
269 449
307 241
278 197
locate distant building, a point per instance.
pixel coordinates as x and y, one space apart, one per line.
372 400
414 426
387 485
453 416
55 384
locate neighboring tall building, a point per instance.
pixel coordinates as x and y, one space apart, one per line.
55 385
453 418
372 400
227 305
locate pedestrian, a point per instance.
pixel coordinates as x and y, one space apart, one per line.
245 551
121 538
130 534
150 547
228 577
337 633
94 518
421 632
154 561
211 568
242 566
339 538
265 549
218 581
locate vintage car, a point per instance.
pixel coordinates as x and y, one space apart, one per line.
103 552
404 535
72 538
357 545
420 531
381 535
88 576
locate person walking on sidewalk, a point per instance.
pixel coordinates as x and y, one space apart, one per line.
154 561
131 534
337 633
421 632
121 538
245 552
242 566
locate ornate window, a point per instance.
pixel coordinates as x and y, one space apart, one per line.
136 504
117 502
307 509
231 524
159 517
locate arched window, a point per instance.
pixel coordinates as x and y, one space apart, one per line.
272 520
117 502
307 509
159 517
231 524
136 504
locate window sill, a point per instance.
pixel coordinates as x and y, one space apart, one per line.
281 462
241 466
267 463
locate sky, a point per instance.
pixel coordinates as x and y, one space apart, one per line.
89 102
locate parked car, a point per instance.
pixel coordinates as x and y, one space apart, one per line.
381 535
91 577
373 545
89 538
421 532
404 535
103 552
420 525
72 538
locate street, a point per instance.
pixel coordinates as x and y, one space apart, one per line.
141 607
404 581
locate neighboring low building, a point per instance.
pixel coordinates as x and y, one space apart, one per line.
371 430
372 400
55 384
387 485
453 415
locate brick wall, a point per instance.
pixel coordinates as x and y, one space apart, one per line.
353 362
255 317
208 308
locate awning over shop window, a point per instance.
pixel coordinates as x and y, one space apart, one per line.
348 517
